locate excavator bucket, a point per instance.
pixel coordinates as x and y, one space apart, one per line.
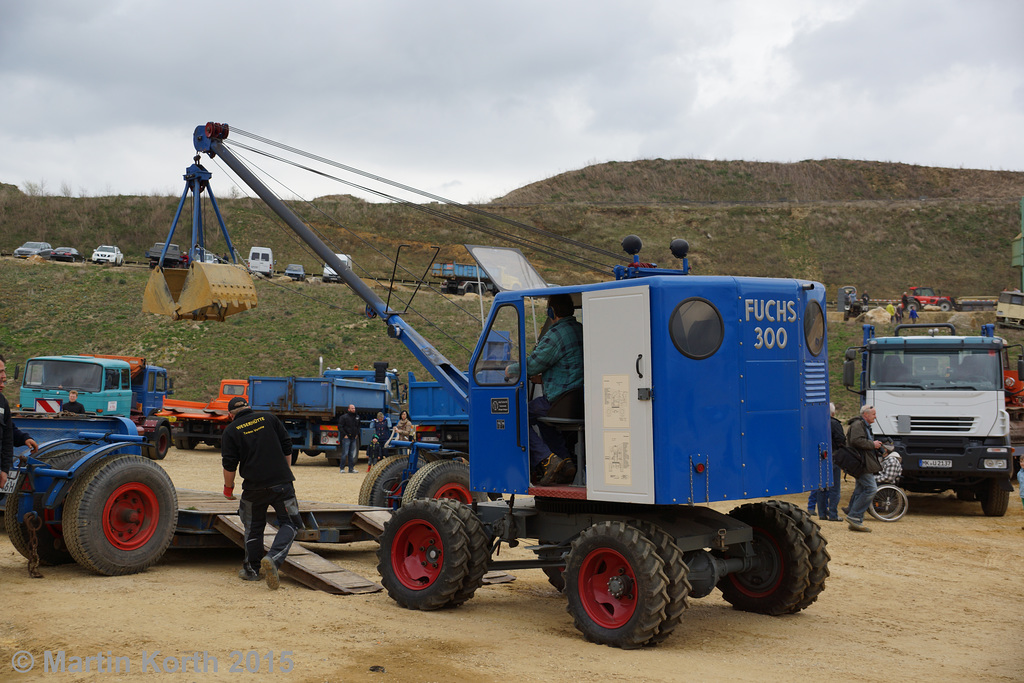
205 291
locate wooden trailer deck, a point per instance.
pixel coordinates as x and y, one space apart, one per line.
209 520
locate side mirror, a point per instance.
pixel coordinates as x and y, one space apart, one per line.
850 374
1020 369
17 370
851 354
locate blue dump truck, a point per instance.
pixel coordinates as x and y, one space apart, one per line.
462 278
310 406
124 386
696 390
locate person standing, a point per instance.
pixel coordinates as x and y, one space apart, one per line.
405 430
10 436
905 301
860 438
258 447
348 425
72 405
891 310
827 499
913 314
558 359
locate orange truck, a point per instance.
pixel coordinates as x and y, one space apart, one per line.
195 422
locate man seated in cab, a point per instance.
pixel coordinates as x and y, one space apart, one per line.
558 362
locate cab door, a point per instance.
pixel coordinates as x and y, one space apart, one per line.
498 440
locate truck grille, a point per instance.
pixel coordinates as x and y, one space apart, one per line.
815 382
950 425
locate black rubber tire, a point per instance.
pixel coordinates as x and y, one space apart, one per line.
311 452
50 545
556 577
442 479
815 543
423 556
994 500
121 481
385 479
181 444
479 551
677 574
945 306
161 442
784 564
295 458
616 585
889 504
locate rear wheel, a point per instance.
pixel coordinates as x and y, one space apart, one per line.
815 542
120 518
994 500
889 504
441 479
777 582
616 585
424 556
162 442
384 485
50 545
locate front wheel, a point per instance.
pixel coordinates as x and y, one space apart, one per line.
616 586
994 499
384 485
424 555
780 576
162 442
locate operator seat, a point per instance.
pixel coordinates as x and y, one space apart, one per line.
893 370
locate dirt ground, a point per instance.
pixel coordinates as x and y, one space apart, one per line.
934 596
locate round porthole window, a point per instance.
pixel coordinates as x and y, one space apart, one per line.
814 327
696 328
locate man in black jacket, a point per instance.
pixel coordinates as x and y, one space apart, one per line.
348 425
10 436
861 438
72 405
257 445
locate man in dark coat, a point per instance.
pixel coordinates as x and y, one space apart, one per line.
349 430
10 436
257 445
860 438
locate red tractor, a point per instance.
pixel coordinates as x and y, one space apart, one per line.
920 297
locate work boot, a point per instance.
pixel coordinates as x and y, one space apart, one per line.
557 471
856 526
246 574
269 571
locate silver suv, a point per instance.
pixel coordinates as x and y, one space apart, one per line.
32 248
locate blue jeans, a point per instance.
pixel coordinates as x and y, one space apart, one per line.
550 440
349 451
827 499
252 509
863 492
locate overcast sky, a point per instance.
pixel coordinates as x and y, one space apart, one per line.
472 99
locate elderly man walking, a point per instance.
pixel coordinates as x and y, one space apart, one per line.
860 438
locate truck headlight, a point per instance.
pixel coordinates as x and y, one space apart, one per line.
994 464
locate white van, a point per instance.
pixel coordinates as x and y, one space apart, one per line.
261 260
330 275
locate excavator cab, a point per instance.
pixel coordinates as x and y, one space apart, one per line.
203 291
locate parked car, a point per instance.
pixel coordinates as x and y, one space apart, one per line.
295 271
173 259
106 253
33 249
65 254
330 275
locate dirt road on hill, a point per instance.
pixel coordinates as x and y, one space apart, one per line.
935 596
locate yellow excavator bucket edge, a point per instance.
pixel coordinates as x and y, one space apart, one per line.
205 291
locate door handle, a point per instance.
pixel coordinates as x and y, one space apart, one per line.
638 373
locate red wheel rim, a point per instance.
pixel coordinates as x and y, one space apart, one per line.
417 554
130 516
762 582
607 588
455 492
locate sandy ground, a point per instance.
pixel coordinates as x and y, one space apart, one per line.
935 596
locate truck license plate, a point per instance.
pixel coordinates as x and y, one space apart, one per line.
936 463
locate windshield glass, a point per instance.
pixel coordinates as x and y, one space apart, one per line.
936 369
62 374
